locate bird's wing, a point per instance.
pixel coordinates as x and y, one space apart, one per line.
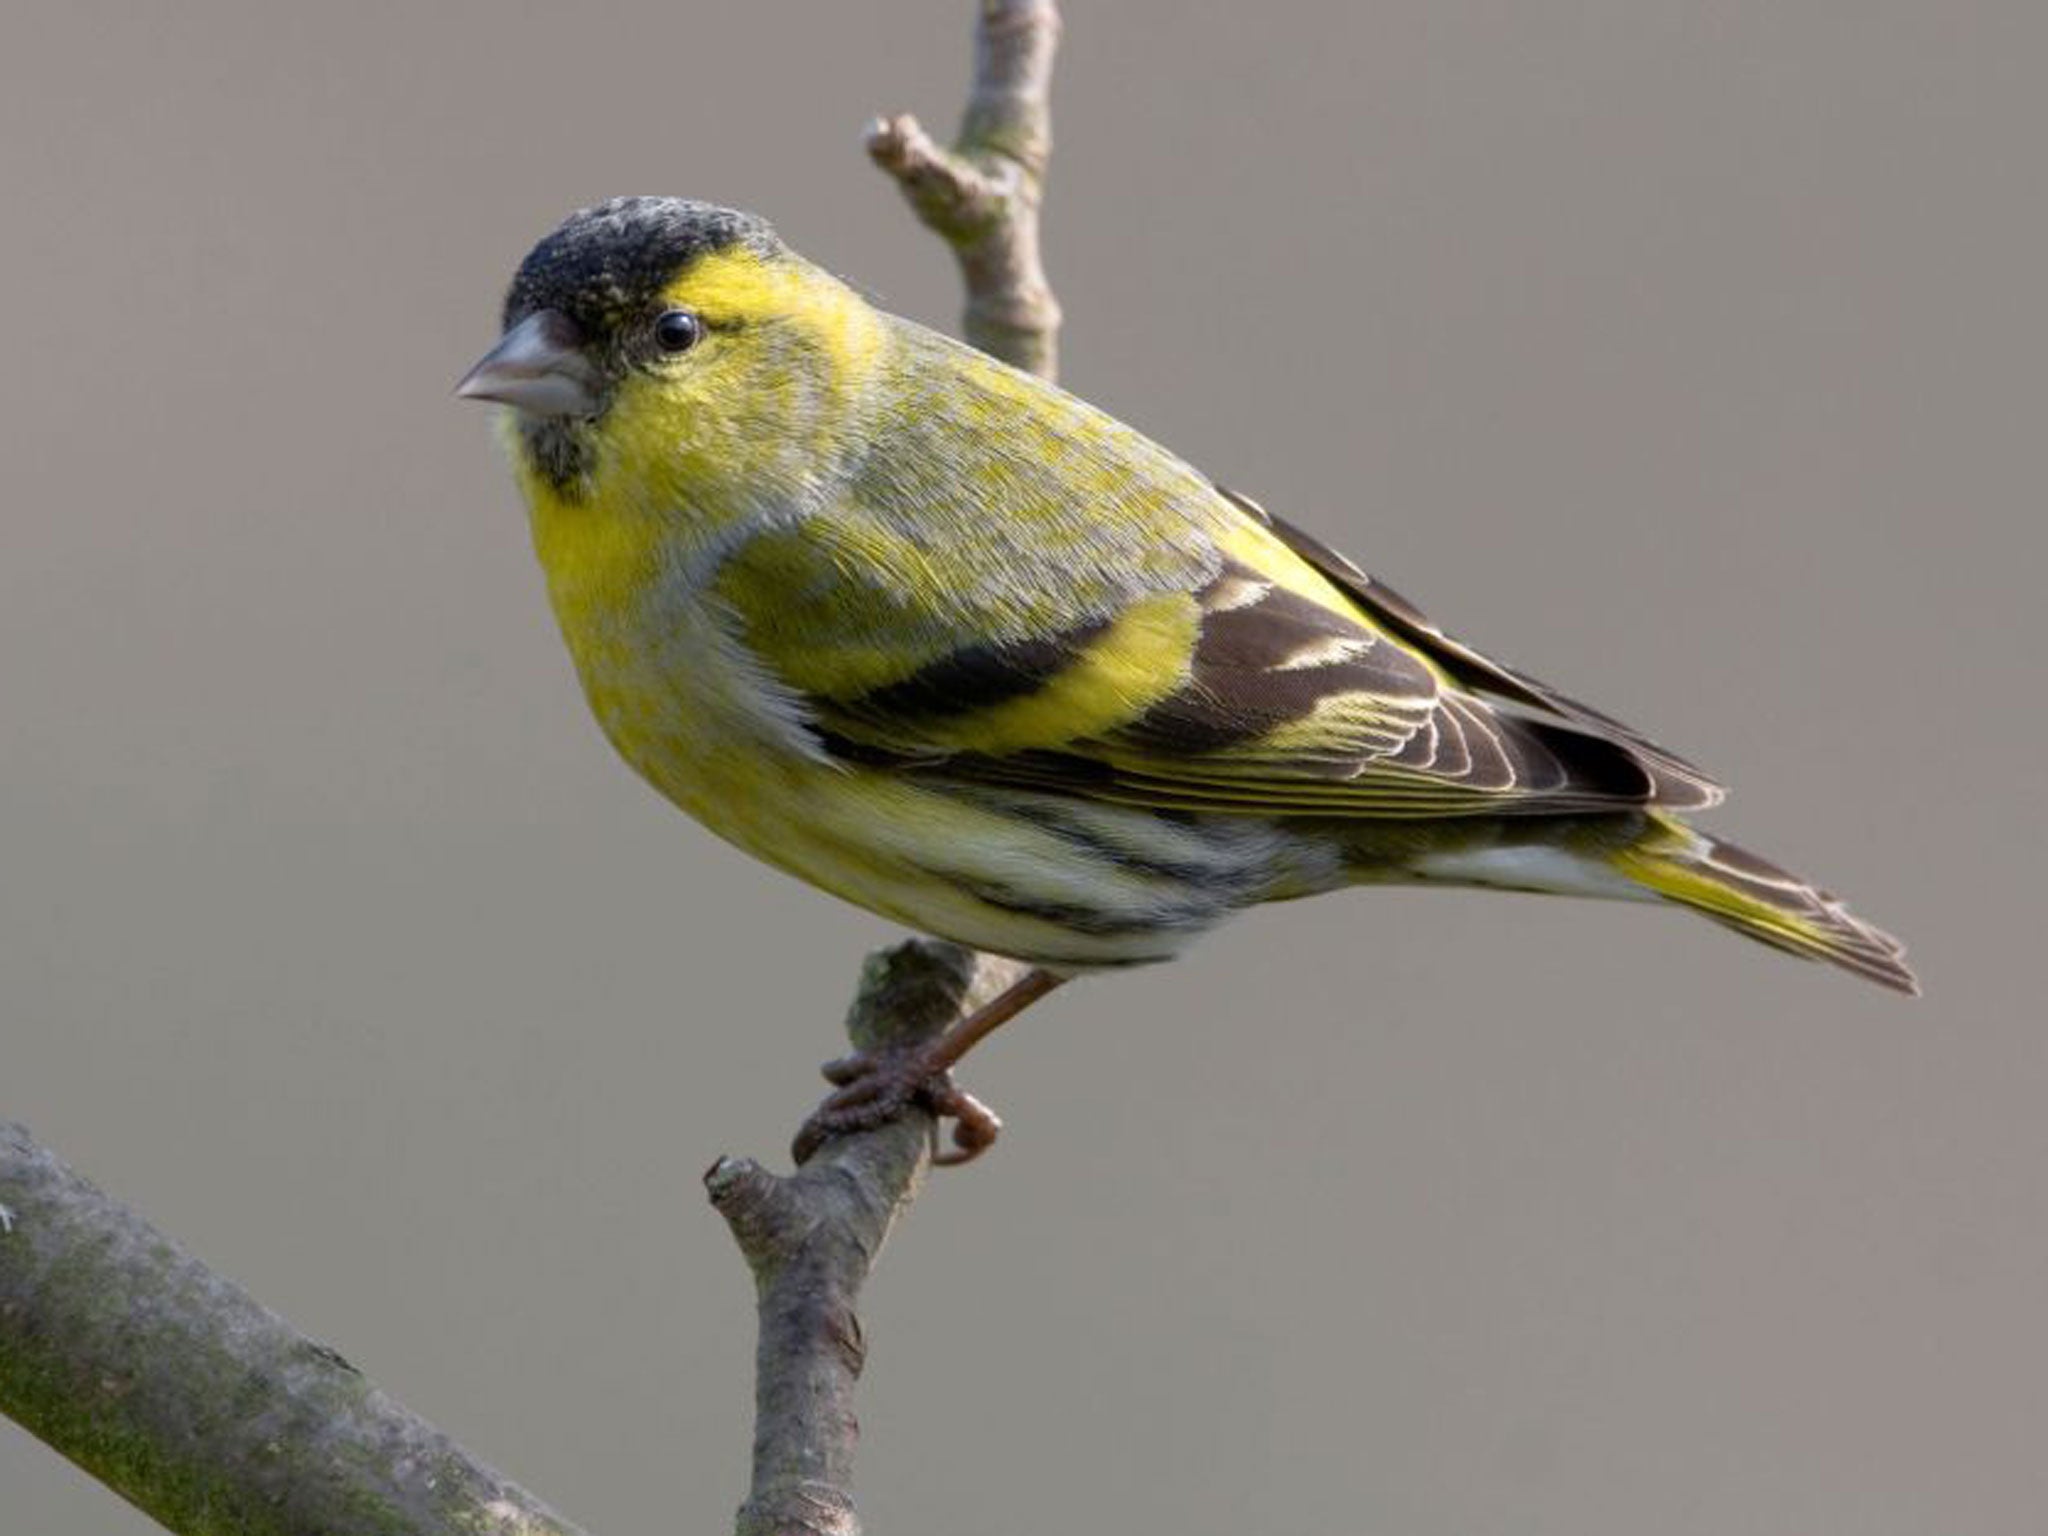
1470 668
1260 674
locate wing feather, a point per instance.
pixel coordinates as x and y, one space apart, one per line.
1682 785
1285 682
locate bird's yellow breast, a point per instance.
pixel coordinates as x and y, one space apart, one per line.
691 712
675 693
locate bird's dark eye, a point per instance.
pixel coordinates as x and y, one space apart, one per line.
677 331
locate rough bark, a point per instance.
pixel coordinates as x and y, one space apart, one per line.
811 1238
212 1414
982 196
198 1405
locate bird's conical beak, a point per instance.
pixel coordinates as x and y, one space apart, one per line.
537 367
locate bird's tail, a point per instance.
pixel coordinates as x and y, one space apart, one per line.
1752 896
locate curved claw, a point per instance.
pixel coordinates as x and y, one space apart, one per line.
975 1125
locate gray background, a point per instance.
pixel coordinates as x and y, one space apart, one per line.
1688 354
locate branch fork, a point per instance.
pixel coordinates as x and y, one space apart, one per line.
982 196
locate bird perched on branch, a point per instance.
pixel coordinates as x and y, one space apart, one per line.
945 641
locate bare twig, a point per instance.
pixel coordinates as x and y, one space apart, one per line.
189 1399
812 1237
982 196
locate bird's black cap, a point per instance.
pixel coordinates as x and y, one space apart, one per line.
610 261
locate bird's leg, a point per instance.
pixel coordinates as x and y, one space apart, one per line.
875 1086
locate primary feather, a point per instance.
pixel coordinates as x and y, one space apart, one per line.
951 643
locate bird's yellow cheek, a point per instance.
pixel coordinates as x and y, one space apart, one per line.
657 442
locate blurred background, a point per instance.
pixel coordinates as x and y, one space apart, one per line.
1690 355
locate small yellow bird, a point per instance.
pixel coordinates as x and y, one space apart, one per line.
945 641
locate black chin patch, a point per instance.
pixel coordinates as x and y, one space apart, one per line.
560 452
610 262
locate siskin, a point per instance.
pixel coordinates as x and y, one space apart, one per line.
945 641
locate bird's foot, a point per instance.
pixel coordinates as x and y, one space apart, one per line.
874 1087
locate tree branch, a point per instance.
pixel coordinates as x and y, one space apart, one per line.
196 1404
215 1416
812 1238
981 196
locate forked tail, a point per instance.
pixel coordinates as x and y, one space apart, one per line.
1735 887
